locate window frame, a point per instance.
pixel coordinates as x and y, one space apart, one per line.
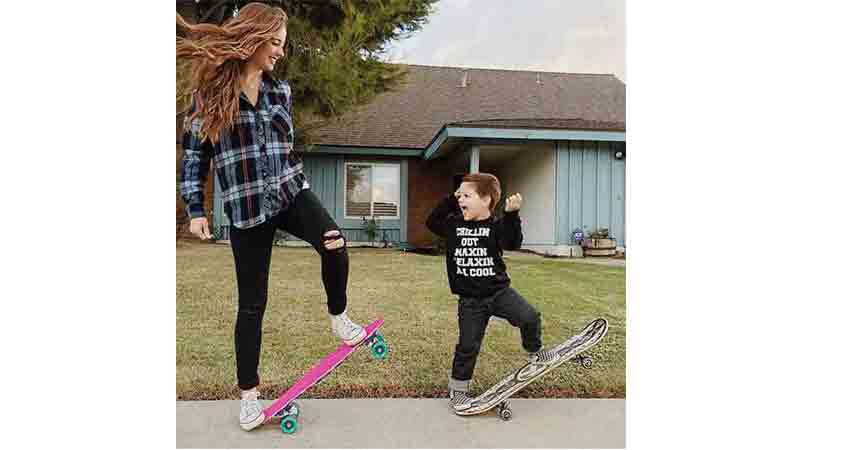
371 165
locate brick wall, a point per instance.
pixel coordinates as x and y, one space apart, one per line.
428 183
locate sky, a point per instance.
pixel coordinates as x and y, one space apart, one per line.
579 36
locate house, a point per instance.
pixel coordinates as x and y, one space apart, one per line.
557 138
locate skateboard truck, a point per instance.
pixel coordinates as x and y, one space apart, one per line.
583 360
504 410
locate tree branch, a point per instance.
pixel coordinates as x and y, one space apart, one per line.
213 9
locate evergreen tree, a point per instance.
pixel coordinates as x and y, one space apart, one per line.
333 51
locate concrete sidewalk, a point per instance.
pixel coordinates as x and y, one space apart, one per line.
410 423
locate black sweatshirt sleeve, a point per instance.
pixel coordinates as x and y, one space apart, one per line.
438 221
510 231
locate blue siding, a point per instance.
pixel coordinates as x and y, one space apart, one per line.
588 184
326 176
321 173
618 210
220 220
603 186
590 189
574 187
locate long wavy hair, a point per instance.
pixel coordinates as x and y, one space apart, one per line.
219 52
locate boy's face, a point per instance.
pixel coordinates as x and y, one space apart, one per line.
471 204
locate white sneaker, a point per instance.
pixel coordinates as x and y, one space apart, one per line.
251 411
348 331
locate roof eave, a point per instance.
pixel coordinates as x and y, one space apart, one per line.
447 133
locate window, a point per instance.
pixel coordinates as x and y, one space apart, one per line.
372 190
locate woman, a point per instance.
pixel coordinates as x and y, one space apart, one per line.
241 119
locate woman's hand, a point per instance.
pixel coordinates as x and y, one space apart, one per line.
513 203
200 228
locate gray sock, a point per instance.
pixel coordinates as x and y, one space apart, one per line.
459 385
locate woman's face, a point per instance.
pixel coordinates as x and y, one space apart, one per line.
269 52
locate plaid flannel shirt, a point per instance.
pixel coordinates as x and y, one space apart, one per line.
257 173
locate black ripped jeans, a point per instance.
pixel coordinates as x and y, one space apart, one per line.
473 315
305 219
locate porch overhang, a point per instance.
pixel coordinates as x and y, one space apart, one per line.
356 150
450 136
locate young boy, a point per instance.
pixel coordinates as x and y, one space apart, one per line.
475 240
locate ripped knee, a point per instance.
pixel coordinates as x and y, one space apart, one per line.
333 241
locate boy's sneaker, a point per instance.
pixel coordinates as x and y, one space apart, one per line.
251 410
459 400
348 331
542 356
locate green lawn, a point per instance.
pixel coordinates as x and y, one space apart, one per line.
411 292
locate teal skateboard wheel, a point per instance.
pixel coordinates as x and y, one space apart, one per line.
289 424
379 350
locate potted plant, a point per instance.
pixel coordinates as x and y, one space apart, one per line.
599 243
371 228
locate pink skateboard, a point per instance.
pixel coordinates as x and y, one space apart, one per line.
285 406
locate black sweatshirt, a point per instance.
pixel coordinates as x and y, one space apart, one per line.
474 248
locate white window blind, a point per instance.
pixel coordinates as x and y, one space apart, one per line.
372 190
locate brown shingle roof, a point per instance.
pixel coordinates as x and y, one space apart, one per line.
432 97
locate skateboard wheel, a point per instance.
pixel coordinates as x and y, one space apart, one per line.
379 337
379 350
505 412
584 361
289 424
